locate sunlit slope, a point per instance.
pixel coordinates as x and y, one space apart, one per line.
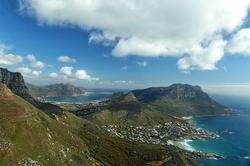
129 111
29 135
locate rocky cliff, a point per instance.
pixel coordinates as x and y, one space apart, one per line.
15 82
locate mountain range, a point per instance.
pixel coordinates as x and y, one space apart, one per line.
56 90
35 133
156 105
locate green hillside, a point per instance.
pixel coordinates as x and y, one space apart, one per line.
129 111
31 137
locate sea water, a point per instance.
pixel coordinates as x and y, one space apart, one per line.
233 141
89 96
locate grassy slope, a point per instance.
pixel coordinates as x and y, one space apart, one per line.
29 133
188 107
128 111
68 140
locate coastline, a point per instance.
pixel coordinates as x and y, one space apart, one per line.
231 145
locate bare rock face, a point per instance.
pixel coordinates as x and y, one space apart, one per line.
15 82
182 91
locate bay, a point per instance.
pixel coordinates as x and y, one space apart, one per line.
89 96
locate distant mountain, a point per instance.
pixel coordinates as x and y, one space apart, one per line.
62 90
30 137
157 105
180 100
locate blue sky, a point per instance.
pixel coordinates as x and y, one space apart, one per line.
128 44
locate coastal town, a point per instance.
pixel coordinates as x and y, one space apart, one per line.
162 134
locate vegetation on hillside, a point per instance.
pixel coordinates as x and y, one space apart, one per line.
29 136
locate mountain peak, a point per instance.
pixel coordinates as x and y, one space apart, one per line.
129 97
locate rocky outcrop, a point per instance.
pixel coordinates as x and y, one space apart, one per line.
15 82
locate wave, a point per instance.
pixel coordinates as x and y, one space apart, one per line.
184 144
187 117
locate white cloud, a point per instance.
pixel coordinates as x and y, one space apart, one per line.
203 58
37 64
34 63
66 59
24 70
54 75
8 59
66 70
36 73
81 74
31 58
66 73
106 38
240 43
143 64
27 72
182 29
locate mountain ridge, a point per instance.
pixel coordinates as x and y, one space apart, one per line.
54 90
181 100
157 105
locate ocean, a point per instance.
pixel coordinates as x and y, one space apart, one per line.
233 141
89 96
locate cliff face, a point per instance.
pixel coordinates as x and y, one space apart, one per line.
15 82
